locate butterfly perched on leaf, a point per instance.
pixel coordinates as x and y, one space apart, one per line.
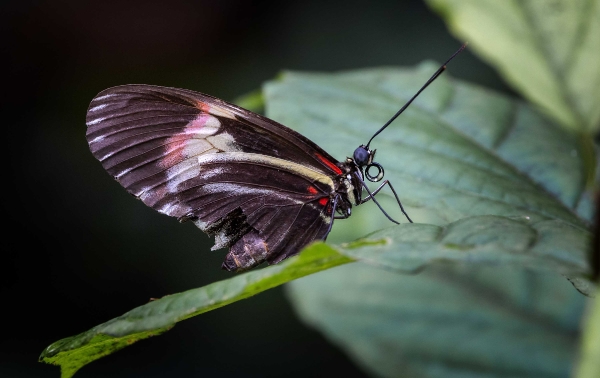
262 189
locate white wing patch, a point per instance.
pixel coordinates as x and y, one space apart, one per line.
183 171
220 187
191 141
286 165
224 142
199 137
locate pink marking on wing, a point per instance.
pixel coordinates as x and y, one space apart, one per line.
197 123
175 145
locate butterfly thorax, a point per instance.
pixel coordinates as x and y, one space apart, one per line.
347 188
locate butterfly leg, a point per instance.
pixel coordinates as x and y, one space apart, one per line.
344 216
371 196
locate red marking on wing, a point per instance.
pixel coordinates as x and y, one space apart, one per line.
312 190
331 166
323 201
203 106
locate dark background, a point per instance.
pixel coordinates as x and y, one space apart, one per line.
79 250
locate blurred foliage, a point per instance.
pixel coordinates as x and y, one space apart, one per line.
589 366
547 49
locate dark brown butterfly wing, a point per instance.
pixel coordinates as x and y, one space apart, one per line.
261 188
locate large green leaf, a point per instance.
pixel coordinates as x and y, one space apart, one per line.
463 320
501 189
548 50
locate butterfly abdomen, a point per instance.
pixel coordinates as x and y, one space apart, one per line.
249 251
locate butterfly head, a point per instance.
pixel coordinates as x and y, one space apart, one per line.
363 155
363 158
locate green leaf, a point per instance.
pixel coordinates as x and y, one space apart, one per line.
499 193
461 320
589 364
72 353
546 246
549 51
160 315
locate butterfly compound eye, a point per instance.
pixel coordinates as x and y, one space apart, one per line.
361 156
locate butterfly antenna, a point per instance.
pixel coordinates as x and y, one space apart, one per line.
431 79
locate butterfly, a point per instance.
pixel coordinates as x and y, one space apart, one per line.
262 189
